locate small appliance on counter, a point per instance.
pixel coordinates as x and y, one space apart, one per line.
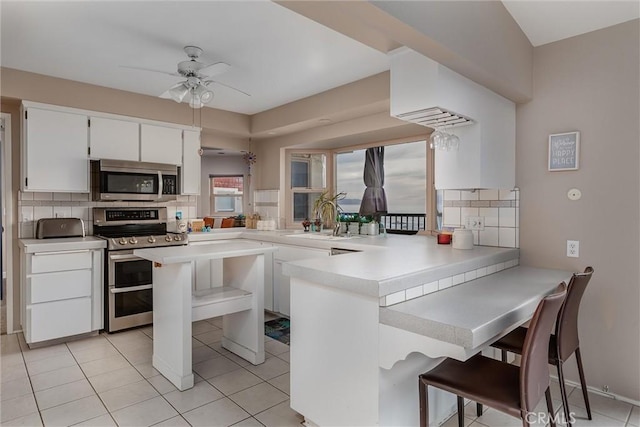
52 228
462 238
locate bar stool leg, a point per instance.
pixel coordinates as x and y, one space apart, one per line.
583 383
479 409
504 355
424 403
460 411
547 396
563 393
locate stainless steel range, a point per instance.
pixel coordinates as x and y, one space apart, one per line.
128 278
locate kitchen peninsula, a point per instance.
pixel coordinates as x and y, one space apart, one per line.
239 300
365 324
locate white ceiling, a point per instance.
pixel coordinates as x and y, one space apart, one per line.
552 20
275 54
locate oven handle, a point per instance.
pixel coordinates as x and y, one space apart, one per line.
124 257
130 289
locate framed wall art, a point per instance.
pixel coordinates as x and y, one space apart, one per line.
564 151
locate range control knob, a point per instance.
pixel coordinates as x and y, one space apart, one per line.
133 240
177 238
122 241
151 239
168 238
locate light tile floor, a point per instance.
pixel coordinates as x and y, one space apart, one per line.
108 380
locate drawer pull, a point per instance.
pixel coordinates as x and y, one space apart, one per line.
81 251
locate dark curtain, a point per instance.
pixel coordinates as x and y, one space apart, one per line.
374 200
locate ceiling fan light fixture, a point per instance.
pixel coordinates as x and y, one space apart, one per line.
178 92
204 94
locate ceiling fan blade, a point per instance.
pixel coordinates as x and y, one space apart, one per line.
214 69
151 70
225 85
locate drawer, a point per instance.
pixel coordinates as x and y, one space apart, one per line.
58 319
58 286
295 253
45 262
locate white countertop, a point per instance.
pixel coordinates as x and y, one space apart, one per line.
472 313
64 244
180 254
387 264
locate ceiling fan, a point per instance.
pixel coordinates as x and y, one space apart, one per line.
195 89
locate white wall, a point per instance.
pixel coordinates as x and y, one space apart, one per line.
589 83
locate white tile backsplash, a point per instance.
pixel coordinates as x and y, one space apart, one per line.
498 207
395 298
445 283
507 237
489 194
62 211
414 292
507 217
469 195
63 197
490 216
457 279
451 216
427 288
42 196
42 212
26 213
489 236
80 212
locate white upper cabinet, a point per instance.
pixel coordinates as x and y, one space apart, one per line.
423 91
55 146
114 139
190 171
159 144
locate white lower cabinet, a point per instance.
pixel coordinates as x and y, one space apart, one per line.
62 293
281 283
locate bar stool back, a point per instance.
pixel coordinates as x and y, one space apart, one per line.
508 388
563 343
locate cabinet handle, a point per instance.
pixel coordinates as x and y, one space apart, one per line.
130 289
81 251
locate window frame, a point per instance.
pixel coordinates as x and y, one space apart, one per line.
212 196
330 184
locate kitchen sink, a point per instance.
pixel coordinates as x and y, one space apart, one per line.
317 236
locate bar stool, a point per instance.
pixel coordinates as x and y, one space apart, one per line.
505 387
563 343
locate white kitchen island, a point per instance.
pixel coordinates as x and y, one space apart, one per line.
175 306
356 354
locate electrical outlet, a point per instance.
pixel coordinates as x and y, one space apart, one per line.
474 222
573 248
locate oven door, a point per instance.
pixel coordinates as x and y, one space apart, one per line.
129 291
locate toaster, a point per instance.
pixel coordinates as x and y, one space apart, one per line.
51 228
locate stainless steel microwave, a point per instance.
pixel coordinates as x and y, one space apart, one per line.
127 180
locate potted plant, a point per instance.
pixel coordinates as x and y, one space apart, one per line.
325 208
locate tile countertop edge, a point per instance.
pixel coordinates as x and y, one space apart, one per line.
63 244
421 316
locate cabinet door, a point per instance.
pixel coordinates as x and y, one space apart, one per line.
55 151
160 144
58 319
190 171
114 139
281 289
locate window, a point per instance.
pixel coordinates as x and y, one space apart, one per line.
227 194
307 176
405 184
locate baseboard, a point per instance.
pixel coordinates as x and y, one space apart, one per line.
600 392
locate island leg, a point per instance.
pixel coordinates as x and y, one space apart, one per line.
172 323
243 332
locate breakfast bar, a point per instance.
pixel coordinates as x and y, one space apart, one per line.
355 358
175 306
